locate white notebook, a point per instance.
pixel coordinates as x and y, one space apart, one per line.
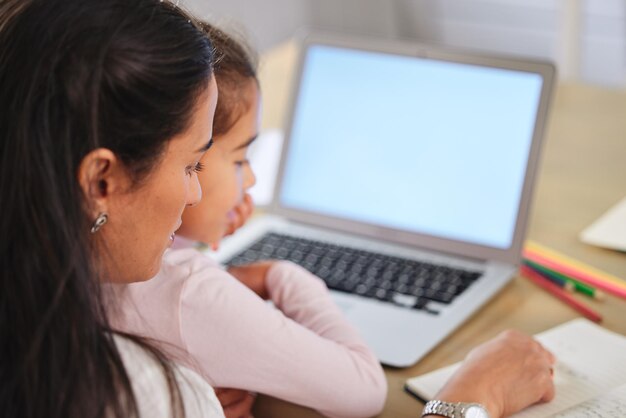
590 374
608 231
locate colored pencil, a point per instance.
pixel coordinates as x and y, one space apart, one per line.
608 287
575 269
572 264
559 281
559 293
555 276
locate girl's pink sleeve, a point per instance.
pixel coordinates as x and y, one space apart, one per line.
304 352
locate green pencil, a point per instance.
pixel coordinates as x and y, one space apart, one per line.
583 288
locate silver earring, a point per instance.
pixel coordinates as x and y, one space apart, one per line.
102 218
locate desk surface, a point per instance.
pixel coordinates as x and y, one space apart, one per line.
582 174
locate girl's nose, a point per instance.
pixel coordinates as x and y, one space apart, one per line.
249 179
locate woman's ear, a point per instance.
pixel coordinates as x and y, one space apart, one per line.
101 175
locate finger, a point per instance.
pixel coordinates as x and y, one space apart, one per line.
245 209
241 408
245 407
228 397
547 353
240 216
247 199
248 205
238 220
233 224
235 270
237 217
550 391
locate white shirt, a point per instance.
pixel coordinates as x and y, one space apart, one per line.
151 390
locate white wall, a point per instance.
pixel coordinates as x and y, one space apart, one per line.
268 22
586 38
369 17
519 27
603 42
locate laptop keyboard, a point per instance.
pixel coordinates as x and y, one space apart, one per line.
404 282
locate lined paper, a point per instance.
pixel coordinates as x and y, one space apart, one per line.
611 405
591 362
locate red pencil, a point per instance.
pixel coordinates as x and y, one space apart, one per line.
560 293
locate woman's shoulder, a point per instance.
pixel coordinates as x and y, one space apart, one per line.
151 389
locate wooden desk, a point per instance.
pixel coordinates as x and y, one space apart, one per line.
582 174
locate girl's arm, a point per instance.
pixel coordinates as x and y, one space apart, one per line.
304 352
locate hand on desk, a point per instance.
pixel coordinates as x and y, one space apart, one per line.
506 374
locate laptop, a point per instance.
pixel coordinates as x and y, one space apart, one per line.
405 182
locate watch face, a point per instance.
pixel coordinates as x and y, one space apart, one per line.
476 412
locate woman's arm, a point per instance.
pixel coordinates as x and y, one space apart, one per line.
506 374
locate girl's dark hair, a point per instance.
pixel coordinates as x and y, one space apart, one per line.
76 75
235 66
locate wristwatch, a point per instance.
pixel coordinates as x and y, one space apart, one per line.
455 410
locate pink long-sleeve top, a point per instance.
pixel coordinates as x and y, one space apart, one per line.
301 350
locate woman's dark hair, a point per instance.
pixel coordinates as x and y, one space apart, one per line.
235 66
76 75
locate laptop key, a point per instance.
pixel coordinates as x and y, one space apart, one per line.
438 296
404 300
420 303
361 289
404 282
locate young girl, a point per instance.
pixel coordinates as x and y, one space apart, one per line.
304 351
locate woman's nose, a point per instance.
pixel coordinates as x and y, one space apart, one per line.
195 191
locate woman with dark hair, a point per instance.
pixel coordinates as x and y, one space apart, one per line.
107 108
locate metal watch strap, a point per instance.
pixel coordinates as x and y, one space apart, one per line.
440 408
449 410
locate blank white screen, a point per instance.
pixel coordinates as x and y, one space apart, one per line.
415 144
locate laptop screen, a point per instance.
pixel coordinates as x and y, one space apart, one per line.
422 145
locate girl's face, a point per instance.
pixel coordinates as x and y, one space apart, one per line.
225 176
142 221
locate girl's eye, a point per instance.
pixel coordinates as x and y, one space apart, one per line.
241 163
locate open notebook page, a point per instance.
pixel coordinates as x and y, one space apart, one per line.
611 405
591 362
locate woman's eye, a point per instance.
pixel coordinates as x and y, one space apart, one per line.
197 167
241 163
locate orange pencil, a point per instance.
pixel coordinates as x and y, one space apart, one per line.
560 294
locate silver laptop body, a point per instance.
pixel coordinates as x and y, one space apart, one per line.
414 152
